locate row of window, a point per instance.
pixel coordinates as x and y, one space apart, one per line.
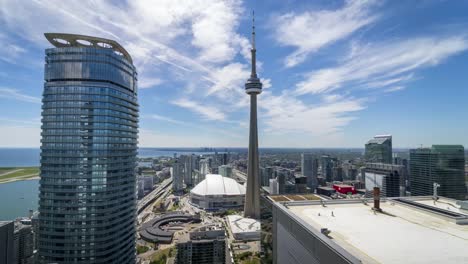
92 105
88 89
86 70
88 119
88 111
88 98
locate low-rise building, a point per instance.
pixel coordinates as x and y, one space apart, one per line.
206 245
245 229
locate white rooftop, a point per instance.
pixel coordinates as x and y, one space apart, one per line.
403 235
443 203
241 224
215 184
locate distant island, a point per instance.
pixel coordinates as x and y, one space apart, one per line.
11 174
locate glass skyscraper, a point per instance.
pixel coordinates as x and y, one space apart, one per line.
379 149
87 207
442 164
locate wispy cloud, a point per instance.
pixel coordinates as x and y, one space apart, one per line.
145 83
206 111
168 119
383 64
311 30
286 113
17 95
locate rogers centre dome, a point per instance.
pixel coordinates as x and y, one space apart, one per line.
216 192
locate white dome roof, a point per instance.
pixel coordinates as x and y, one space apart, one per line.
215 184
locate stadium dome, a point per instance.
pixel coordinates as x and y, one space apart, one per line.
216 192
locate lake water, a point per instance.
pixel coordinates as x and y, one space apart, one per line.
17 198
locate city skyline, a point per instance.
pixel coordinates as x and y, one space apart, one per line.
327 84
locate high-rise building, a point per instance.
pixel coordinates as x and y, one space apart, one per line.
441 164
177 176
327 168
309 168
379 149
205 167
225 171
23 243
337 173
266 175
253 87
7 252
281 179
87 205
188 169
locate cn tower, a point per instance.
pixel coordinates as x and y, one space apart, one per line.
253 87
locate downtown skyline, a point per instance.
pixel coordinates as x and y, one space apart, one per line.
334 73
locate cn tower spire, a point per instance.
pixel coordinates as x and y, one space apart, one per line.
253 51
253 87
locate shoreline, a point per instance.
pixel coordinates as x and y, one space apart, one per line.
27 178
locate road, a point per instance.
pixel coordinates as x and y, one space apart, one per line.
239 175
152 196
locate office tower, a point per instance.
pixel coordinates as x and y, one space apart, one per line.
87 205
266 175
327 166
442 164
337 173
274 187
281 178
23 243
206 245
7 252
188 169
177 177
225 171
309 168
379 149
390 178
253 87
205 167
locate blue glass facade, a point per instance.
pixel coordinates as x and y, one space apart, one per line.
88 156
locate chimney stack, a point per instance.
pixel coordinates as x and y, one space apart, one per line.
377 199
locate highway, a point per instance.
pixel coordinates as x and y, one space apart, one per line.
239 175
155 194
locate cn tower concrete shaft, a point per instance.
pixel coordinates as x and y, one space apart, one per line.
252 194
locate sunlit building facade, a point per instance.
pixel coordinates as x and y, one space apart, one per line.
87 207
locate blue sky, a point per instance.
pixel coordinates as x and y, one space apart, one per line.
335 73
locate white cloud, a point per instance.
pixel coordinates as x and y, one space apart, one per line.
311 30
383 64
168 119
206 111
145 83
394 89
286 114
228 81
17 95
